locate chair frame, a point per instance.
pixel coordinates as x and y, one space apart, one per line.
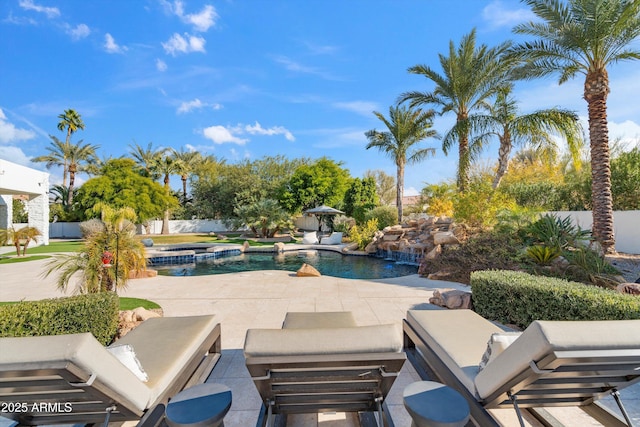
63 385
543 384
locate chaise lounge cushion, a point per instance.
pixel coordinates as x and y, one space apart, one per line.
543 337
498 342
309 238
311 320
458 337
164 346
322 341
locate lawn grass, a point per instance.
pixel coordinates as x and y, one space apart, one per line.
65 246
14 260
125 303
169 239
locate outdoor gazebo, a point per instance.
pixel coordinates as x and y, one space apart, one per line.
324 214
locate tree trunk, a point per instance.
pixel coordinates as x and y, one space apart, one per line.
503 158
184 189
72 180
165 217
400 189
596 89
463 155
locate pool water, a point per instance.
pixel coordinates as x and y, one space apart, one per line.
326 262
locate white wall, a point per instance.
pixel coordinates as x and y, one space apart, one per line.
626 227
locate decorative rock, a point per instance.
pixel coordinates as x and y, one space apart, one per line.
307 271
390 237
127 316
440 275
371 248
144 314
142 274
451 298
350 247
629 288
434 253
445 238
147 242
278 247
245 246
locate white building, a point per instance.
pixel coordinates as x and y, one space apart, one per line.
20 180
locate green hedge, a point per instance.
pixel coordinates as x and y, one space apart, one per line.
519 298
95 313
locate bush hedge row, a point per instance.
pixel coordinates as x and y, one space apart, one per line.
519 298
95 313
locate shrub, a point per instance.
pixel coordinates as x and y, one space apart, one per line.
519 298
385 215
363 235
479 206
91 227
555 232
343 224
543 255
95 313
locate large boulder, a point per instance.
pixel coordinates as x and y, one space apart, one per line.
629 288
451 298
307 271
445 238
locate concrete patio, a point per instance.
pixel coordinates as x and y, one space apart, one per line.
260 300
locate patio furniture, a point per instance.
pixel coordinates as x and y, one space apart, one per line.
203 405
553 363
334 238
334 366
65 379
432 404
309 238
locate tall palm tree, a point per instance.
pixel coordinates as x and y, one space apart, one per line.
59 153
146 158
585 37
407 127
472 74
166 166
81 157
187 162
70 121
535 129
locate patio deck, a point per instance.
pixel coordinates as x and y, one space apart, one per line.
260 300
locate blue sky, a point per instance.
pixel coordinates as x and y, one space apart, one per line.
244 79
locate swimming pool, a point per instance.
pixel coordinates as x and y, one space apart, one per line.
326 262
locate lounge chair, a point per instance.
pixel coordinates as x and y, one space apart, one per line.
66 379
309 238
334 238
323 362
552 363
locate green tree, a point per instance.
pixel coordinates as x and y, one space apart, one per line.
406 128
20 214
70 121
385 185
537 129
585 37
360 197
121 186
166 166
15 237
323 182
81 157
146 159
264 217
107 257
625 180
58 155
187 162
472 74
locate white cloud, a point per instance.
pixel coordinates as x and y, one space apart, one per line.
257 129
201 21
16 155
161 65
10 133
496 14
178 44
411 191
79 32
51 12
628 132
111 46
188 106
297 67
364 108
221 135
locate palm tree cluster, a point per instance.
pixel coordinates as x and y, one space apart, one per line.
570 37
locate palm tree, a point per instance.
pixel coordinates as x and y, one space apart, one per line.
166 166
11 235
81 158
471 75
585 36
406 127
535 129
146 158
70 121
115 243
59 153
187 162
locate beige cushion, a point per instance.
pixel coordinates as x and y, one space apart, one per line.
496 345
458 337
309 238
82 350
311 320
543 337
332 239
164 345
321 341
